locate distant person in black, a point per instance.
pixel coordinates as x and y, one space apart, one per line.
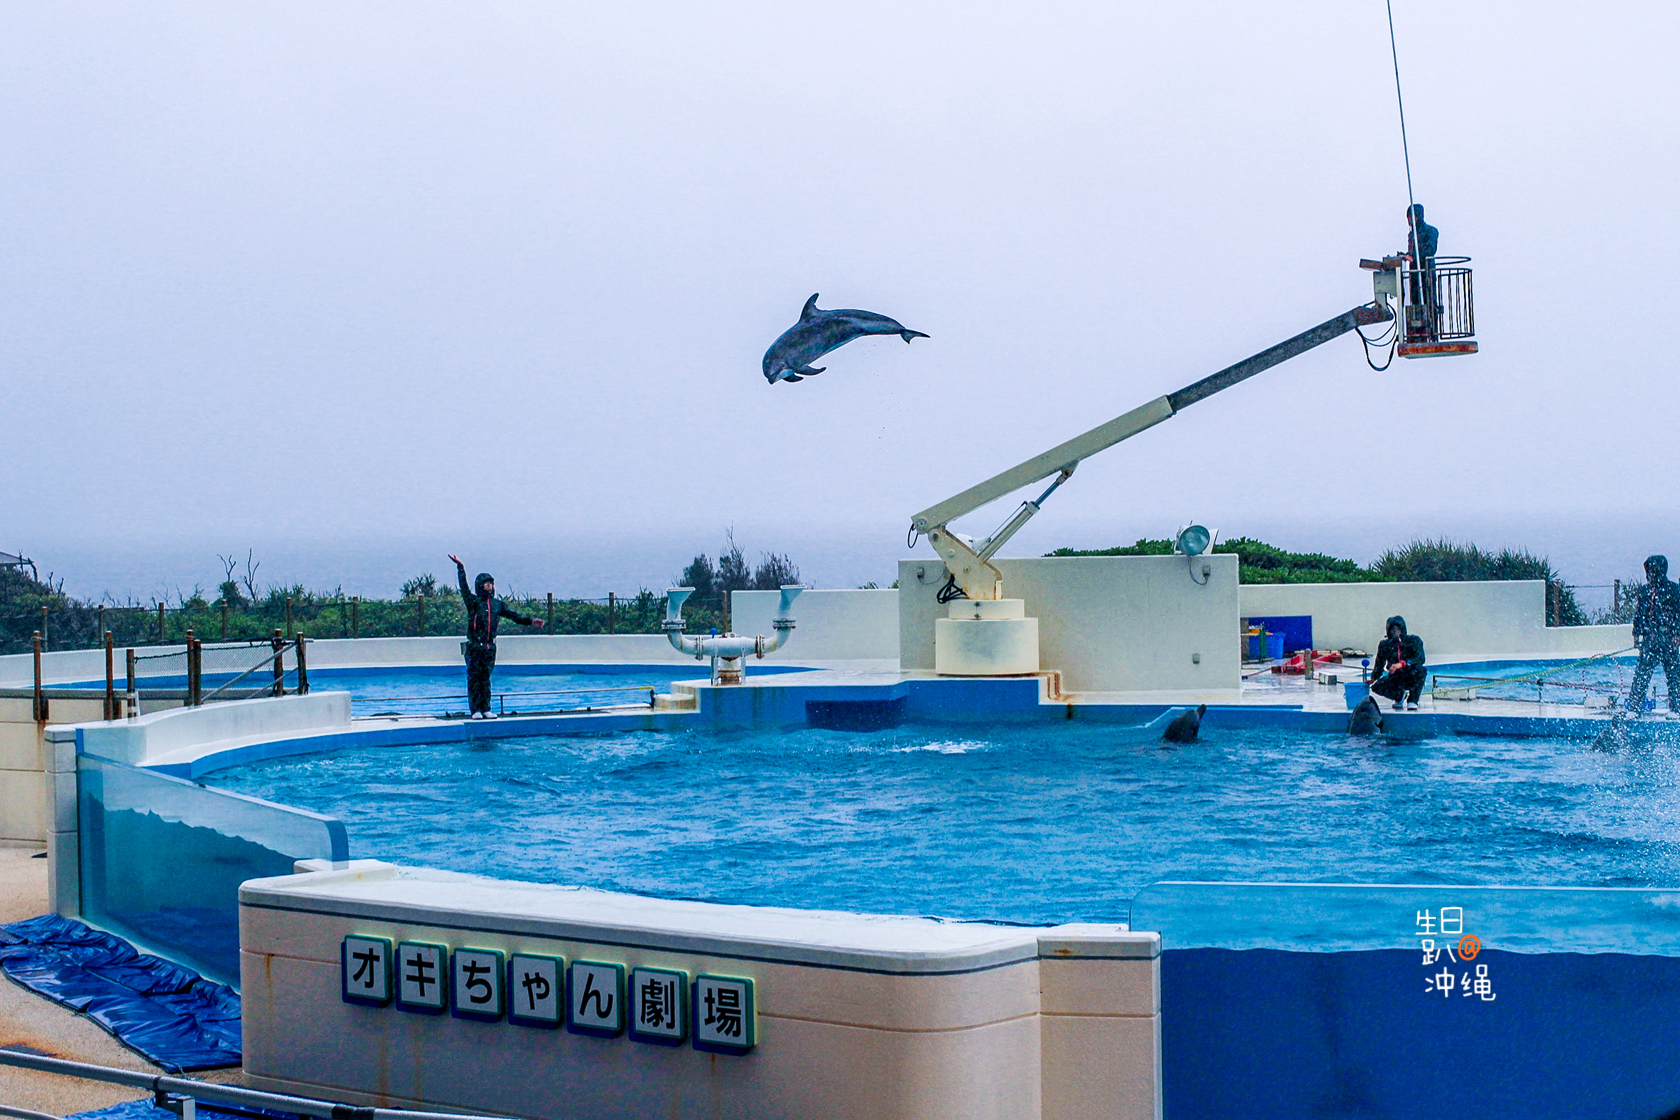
1399 666
1421 244
1656 631
483 612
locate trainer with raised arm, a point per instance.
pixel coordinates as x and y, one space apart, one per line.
1656 631
484 611
1399 666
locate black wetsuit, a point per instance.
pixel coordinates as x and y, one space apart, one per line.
483 614
1422 242
1402 683
1656 630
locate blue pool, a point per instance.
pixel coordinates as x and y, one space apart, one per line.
1553 682
1030 823
514 688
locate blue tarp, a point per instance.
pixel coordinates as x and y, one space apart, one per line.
144 1109
167 1014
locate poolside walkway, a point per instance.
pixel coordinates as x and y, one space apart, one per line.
29 1020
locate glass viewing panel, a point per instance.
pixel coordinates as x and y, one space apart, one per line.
162 859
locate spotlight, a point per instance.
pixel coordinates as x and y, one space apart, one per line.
1193 540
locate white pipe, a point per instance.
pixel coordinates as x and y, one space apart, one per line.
727 645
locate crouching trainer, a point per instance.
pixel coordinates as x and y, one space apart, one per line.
1399 666
484 611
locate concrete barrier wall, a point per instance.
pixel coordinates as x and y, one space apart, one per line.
1108 623
17 670
26 784
517 647
181 734
1459 619
862 1017
830 625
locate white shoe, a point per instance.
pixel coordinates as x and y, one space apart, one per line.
489 715
1412 707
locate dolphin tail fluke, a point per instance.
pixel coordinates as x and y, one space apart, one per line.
908 335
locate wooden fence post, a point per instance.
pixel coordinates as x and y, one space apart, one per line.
110 677
38 709
612 610
193 688
549 626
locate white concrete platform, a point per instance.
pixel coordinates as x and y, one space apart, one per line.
862 1017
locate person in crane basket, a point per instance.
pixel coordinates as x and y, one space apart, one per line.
1656 631
1421 244
484 611
1399 665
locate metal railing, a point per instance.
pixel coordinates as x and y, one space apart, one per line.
1439 301
73 626
1583 691
181 1094
180 673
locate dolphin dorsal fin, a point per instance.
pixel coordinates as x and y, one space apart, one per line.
810 307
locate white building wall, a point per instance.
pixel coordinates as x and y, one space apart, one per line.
1469 619
830 625
1108 623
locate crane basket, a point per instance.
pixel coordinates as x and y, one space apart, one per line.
1438 311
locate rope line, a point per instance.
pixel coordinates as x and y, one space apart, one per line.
1527 676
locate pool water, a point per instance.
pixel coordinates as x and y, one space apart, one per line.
1029 823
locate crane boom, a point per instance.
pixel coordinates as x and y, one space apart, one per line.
970 565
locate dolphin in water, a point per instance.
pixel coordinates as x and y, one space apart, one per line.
818 332
1615 734
1365 719
1186 727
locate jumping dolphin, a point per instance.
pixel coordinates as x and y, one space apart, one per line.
1365 719
1185 728
818 332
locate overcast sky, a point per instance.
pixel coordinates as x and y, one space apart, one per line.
357 284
